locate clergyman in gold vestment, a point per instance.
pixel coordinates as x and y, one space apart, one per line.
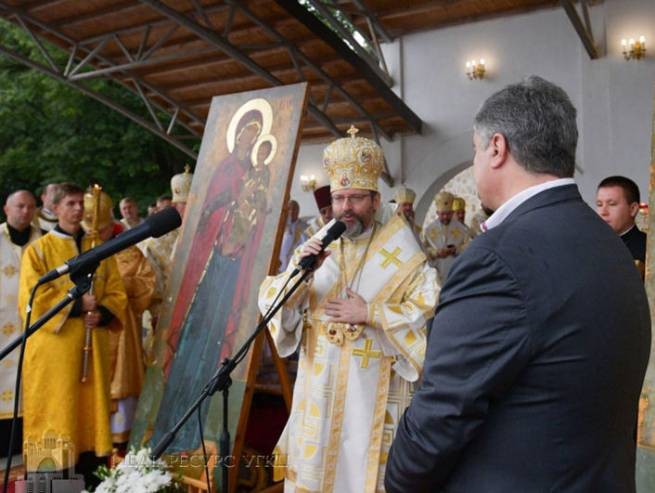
55 402
360 326
126 349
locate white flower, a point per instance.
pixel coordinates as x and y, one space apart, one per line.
138 473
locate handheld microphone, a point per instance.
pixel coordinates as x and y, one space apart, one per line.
334 230
156 225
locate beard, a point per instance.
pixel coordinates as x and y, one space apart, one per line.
356 228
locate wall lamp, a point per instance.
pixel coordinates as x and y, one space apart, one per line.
634 50
308 183
475 70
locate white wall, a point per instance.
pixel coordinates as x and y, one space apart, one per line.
614 97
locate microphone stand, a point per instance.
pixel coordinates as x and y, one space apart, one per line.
82 280
221 381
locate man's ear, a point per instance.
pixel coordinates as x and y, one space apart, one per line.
634 209
376 200
498 149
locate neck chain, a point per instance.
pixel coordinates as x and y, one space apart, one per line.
337 332
357 274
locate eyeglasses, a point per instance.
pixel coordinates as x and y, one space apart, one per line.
354 199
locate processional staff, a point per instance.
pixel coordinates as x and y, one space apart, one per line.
88 330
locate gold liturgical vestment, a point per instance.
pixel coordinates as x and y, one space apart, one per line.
126 347
54 399
437 236
10 326
352 385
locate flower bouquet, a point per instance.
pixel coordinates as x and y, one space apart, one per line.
137 473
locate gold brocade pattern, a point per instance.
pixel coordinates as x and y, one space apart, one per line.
63 404
344 393
10 326
332 452
375 447
127 362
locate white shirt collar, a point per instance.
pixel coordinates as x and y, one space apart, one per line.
629 229
510 206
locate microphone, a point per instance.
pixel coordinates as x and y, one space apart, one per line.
334 230
156 225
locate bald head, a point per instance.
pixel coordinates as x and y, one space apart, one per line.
48 195
19 209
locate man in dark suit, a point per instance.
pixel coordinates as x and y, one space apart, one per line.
617 202
540 342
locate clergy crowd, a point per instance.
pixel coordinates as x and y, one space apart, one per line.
456 355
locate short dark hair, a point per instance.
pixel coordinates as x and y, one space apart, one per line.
128 199
630 188
537 119
64 189
164 197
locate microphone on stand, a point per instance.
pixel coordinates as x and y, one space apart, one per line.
156 225
334 231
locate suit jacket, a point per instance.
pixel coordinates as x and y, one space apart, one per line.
534 364
635 240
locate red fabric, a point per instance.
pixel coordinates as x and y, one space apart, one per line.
323 197
226 180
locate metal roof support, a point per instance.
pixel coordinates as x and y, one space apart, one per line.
89 56
172 122
75 48
201 14
149 106
372 61
144 42
584 31
302 57
216 40
98 97
376 43
38 43
372 19
322 31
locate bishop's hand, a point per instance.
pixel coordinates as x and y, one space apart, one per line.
313 246
352 310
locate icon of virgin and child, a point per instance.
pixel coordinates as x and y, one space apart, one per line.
217 275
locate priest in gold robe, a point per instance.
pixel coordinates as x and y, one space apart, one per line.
445 238
15 234
56 403
127 362
160 251
359 324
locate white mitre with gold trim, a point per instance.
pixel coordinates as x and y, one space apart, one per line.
181 184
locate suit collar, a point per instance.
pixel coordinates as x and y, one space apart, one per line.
506 209
546 198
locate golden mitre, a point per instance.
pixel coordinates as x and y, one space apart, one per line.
459 204
444 201
105 207
404 195
181 184
353 162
